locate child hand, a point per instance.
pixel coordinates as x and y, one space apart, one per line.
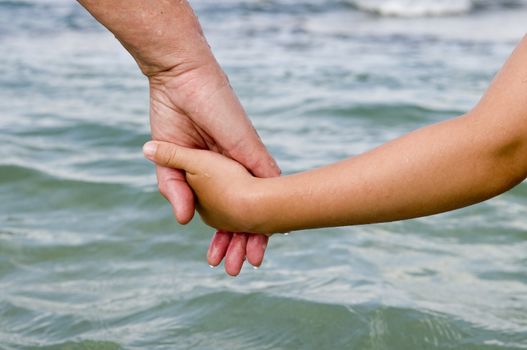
222 186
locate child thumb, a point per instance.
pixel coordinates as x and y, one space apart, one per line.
171 156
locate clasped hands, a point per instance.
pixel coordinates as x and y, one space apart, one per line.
191 105
197 110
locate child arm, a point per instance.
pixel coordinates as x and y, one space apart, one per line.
441 167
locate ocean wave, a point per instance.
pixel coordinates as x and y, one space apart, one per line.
14 4
421 8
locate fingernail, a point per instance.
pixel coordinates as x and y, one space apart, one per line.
256 267
212 266
149 149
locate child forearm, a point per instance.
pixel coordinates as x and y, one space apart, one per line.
435 169
432 170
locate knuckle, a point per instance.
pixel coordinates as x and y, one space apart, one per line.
170 156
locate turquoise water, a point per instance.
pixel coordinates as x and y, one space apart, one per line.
91 258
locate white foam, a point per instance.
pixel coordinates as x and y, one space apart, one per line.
414 8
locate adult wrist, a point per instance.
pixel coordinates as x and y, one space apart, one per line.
156 61
158 34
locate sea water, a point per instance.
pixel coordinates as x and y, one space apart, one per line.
91 257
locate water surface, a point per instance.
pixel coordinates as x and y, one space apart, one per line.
91 257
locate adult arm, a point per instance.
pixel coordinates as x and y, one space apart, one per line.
191 104
441 167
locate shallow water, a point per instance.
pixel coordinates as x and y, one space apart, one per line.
91 258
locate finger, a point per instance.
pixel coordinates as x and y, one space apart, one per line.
236 254
173 156
173 186
253 154
256 245
233 131
218 247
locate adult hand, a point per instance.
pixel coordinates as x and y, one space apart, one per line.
197 108
228 196
192 105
